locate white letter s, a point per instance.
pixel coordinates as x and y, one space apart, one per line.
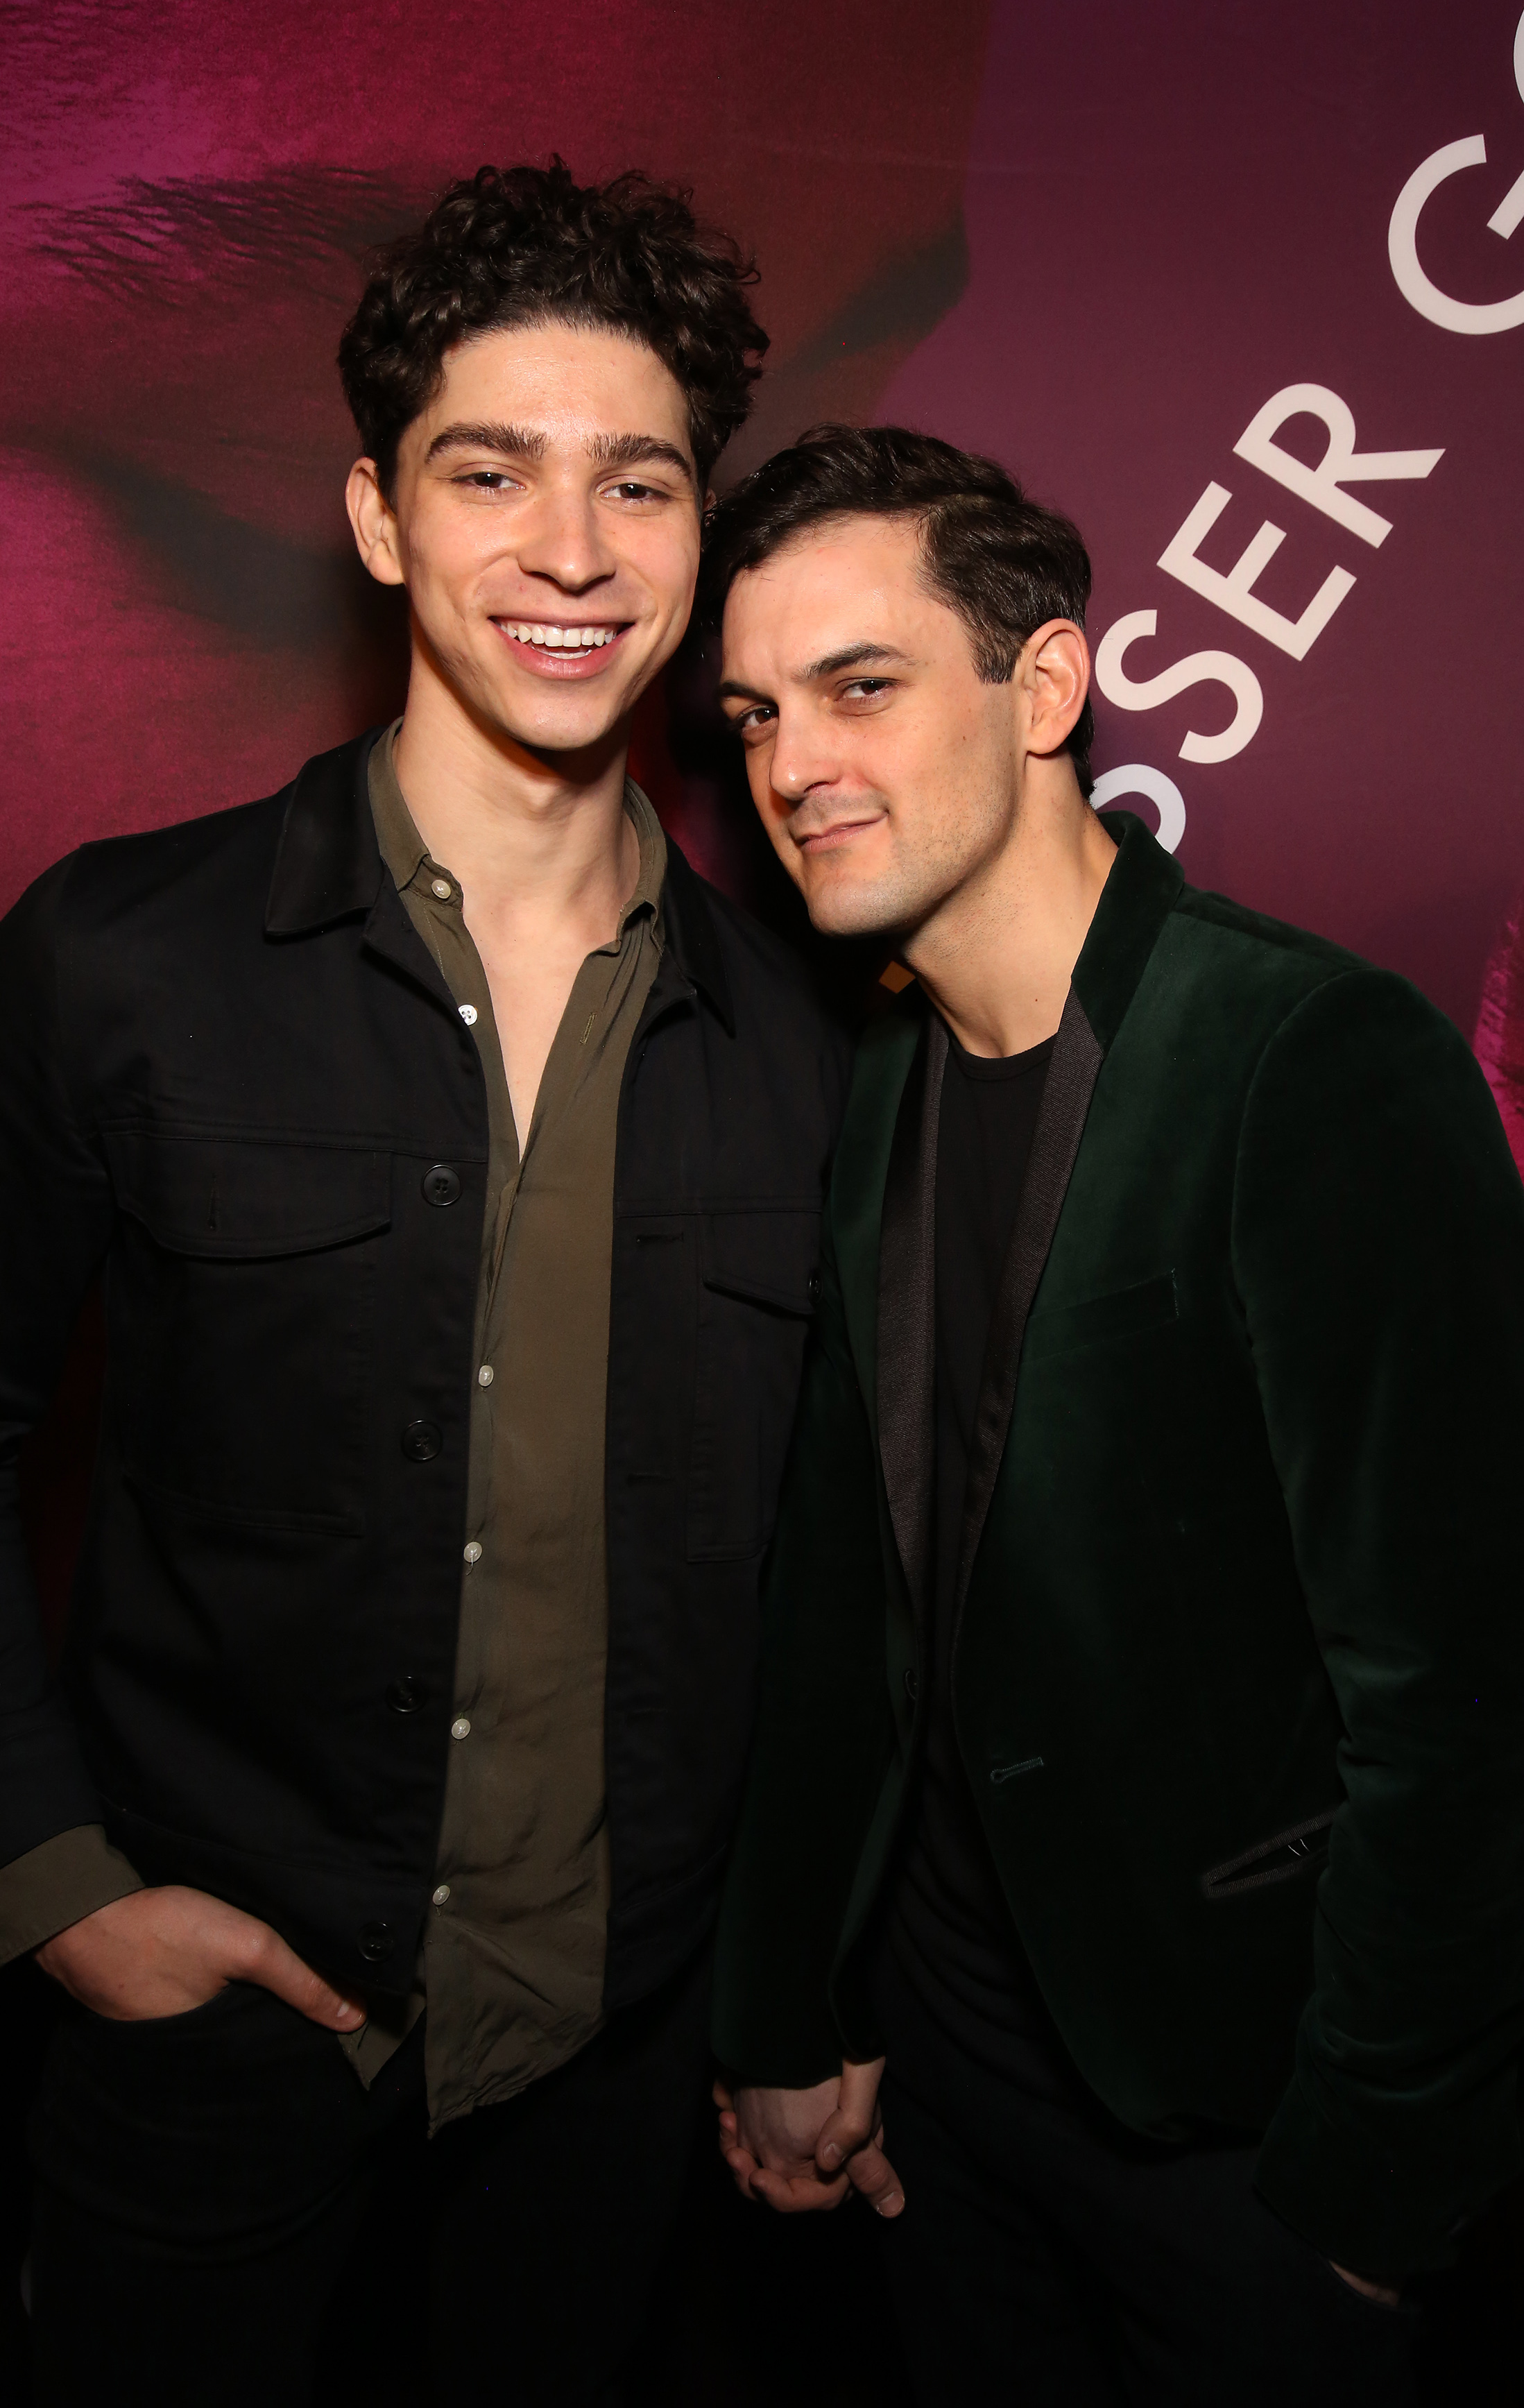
1146 694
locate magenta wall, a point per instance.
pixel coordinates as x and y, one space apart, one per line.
1096 240
1175 214
187 194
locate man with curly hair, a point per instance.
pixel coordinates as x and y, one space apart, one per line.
454 1159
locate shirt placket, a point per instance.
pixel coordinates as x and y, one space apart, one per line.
477 1705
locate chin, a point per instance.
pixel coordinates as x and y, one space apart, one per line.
840 906
553 724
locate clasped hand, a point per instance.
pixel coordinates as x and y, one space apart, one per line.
805 2149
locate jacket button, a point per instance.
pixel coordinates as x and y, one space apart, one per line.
406 1696
812 1287
912 1685
441 1185
375 1942
422 1441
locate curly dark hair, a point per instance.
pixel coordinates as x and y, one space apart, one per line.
521 246
1004 564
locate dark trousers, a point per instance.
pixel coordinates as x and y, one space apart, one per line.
207 2182
1045 2254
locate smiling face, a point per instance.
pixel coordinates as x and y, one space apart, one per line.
544 521
885 769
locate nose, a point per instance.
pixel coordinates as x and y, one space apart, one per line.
803 759
561 540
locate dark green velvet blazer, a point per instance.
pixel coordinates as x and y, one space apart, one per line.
1239 1668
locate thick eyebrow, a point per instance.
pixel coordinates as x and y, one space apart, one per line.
531 443
630 451
851 656
518 442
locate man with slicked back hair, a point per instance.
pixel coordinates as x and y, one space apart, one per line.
1133 1846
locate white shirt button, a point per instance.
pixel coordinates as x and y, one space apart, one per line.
441 1893
472 1551
468 1013
461 1727
484 1377
440 886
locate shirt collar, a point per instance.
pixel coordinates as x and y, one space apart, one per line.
405 852
402 849
328 869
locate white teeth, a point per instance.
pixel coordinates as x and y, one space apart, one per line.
563 639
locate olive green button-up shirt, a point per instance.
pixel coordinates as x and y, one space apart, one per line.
512 1966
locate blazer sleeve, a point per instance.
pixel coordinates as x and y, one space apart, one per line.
1379 1254
55 1225
824 1738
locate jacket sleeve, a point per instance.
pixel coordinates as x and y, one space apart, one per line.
824 1735
1379 1254
55 1224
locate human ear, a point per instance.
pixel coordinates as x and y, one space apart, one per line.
1053 678
374 523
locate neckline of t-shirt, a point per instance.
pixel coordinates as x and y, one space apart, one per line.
1001 1066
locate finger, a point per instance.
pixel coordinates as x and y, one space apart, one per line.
275 1967
856 2117
798 2195
720 2094
875 2179
743 2166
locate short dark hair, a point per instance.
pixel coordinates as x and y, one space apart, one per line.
522 246
1004 564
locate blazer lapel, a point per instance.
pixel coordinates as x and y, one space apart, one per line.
1060 1124
906 1331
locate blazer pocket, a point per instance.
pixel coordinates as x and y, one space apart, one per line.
1300 1850
1125 1312
758 1284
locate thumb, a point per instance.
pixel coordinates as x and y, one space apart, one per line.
855 2119
875 2179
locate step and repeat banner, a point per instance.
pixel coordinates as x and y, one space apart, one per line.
1243 291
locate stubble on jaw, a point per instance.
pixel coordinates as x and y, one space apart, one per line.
918 880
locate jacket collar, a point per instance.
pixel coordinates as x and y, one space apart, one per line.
328 867
688 922
328 864
1145 884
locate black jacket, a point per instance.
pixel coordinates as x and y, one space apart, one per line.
233 1077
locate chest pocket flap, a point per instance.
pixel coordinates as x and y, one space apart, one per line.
241 1199
768 1258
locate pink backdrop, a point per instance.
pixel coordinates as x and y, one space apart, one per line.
1097 242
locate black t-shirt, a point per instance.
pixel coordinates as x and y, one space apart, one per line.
949 1929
